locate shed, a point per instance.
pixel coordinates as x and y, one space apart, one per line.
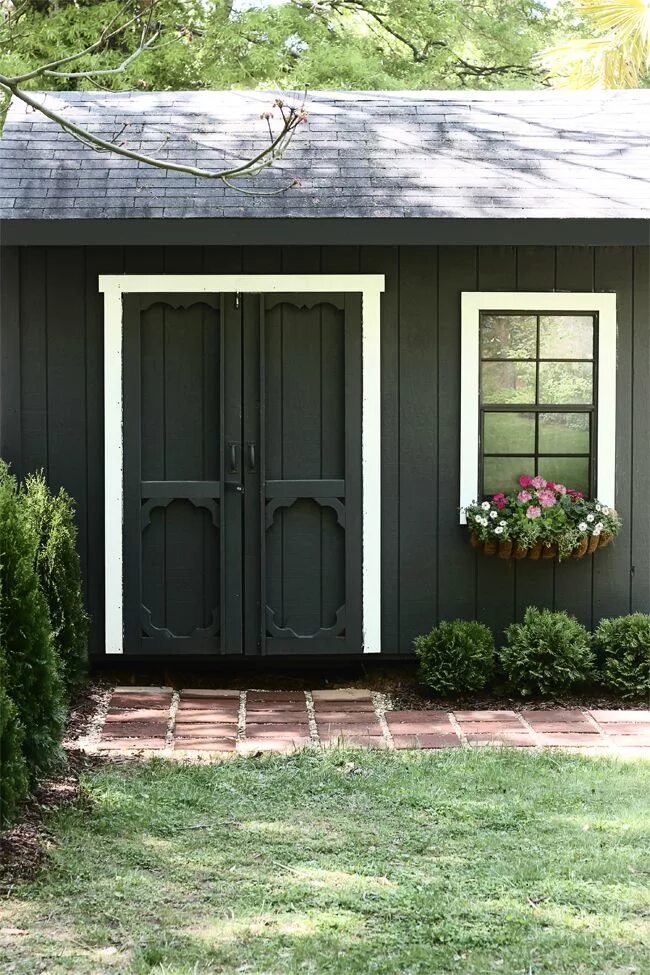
270 408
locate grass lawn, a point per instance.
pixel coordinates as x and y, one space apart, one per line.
461 861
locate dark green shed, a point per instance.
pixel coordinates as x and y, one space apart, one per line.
267 408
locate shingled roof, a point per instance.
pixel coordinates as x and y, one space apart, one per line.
361 154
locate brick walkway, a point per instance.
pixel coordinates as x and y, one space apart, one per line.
159 720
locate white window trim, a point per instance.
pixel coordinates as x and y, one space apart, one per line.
472 304
370 286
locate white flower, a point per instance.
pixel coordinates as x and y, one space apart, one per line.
493 515
599 527
596 531
590 517
598 507
498 530
502 523
582 526
605 510
486 506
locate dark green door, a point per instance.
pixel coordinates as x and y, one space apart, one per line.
242 474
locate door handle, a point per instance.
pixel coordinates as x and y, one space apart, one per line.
251 455
232 448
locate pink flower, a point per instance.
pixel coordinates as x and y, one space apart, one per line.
524 496
533 512
560 488
551 485
538 482
574 495
525 480
547 498
499 500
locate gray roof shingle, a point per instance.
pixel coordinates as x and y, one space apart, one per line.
361 154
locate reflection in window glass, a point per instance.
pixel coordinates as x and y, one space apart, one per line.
508 382
509 433
571 471
537 398
564 433
508 336
502 473
566 337
565 382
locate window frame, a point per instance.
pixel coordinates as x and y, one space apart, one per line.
603 307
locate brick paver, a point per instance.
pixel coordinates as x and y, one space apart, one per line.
203 722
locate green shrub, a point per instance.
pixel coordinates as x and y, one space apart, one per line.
623 648
456 657
13 773
59 572
31 668
549 653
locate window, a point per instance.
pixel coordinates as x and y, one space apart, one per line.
538 391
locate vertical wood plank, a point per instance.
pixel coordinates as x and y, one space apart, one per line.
66 380
457 561
573 578
33 359
495 578
534 580
418 436
640 460
10 370
612 566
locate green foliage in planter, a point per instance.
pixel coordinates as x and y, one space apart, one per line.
59 572
31 667
548 654
623 647
456 657
13 772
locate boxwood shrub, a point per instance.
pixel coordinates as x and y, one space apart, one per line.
456 657
59 573
548 654
623 649
32 678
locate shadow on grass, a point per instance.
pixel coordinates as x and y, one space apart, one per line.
347 862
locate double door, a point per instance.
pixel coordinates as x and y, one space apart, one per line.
242 474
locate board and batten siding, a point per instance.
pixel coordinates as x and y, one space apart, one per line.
52 411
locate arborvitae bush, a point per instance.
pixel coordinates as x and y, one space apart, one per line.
548 654
13 772
31 667
623 648
456 657
59 572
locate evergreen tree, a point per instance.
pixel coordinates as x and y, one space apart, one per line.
31 671
13 772
59 572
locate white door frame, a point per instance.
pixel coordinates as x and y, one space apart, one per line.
370 286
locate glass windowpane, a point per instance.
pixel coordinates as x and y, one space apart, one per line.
502 473
566 337
564 433
508 336
508 433
573 472
508 382
565 382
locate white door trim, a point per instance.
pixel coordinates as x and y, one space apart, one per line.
370 286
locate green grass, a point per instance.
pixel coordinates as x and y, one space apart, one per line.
462 862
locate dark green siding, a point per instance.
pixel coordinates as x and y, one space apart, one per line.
52 410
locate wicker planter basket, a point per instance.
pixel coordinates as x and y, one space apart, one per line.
512 550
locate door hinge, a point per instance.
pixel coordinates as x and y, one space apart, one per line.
237 296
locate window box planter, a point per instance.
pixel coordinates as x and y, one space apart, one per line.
542 520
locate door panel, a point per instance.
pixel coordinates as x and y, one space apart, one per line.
310 365
178 508
242 477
